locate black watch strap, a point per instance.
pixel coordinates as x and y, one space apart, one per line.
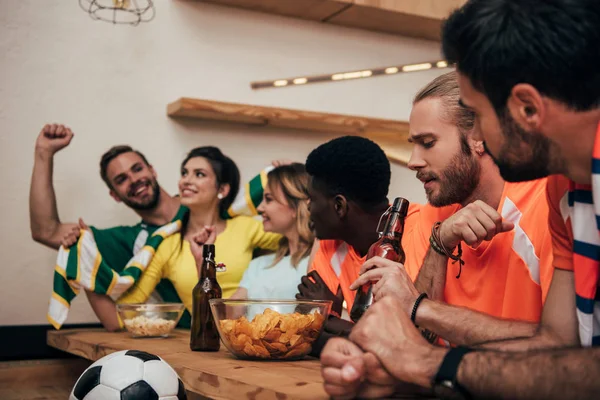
446 375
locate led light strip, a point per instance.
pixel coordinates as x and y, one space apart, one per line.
343 76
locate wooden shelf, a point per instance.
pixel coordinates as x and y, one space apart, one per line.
414 18
391 135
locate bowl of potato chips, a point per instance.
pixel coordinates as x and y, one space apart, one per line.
269 329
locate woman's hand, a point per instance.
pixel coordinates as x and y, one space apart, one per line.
207 235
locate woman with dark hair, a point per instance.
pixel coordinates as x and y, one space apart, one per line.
208 185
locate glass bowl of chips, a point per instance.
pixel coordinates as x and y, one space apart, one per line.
150 320
269 329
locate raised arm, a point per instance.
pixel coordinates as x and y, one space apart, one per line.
46 227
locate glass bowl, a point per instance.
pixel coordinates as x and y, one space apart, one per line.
269 329
150 320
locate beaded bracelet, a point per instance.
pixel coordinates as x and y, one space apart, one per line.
413 314
438 247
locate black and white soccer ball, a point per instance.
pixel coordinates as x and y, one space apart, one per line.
129 375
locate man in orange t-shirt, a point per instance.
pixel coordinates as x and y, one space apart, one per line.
348 191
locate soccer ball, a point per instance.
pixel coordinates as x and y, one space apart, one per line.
129 375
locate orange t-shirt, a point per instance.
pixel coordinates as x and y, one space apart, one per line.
338 263
507 277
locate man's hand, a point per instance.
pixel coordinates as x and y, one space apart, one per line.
342 368
348 372
387 332
73 235
473 224
52 138
316 289
389 279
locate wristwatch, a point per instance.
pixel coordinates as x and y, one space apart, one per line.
444 383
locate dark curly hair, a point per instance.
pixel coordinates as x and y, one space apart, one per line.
353 166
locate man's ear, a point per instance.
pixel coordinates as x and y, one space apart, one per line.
526 106
478 147
340 204
114 196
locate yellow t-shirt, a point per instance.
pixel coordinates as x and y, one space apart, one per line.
233 247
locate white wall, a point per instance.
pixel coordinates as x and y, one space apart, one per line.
111 84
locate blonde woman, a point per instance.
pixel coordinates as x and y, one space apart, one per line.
284 210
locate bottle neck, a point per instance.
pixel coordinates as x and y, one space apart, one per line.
394 225
209 268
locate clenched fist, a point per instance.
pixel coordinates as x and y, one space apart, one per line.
52 138
473 224
207 235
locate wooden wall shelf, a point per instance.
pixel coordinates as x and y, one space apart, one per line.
391 135
415 18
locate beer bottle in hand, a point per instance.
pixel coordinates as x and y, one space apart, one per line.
388 246
204 333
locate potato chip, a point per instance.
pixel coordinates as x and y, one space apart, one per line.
240 341
288 323
261 351
294 339
285 337
243 326
280 347
298 351
227 326
273 335
249 350
268 311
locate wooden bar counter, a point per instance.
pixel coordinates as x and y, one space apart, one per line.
214 375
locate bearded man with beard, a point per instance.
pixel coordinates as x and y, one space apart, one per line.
498 228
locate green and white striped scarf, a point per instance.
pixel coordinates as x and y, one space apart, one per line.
82 267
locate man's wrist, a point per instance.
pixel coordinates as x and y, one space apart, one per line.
42 154
423 312
428 366
447 243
